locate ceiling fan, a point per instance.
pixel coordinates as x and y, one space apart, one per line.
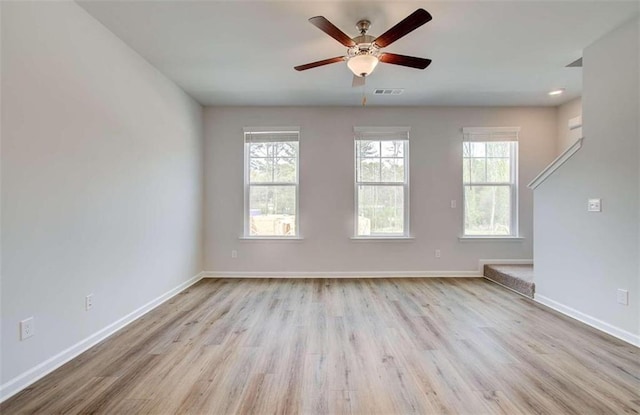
365 51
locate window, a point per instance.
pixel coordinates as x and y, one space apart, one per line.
490 176
271 183
382 182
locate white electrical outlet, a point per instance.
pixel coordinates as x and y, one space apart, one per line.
438 253
88 302
234 254
453 204
594 205
623 297
27 328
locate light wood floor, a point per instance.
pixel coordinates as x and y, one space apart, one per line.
328 346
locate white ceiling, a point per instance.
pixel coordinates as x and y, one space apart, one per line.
483 52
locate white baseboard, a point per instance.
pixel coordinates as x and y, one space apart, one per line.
483 262
30 376
344 274
589 320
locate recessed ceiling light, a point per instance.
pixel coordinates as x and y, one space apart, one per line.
557 91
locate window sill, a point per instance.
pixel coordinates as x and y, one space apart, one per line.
490 238
381 238
272 238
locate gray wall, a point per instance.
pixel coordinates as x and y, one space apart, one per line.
327 189
566 112
582 258
101 180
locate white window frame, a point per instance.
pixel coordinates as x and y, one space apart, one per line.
383 134
495 134
248 131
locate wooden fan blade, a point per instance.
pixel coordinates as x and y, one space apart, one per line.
326 26
410 61
357 81
319 63
409 24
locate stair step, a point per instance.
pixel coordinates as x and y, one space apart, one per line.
517 277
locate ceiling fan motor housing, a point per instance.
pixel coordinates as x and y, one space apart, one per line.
364 46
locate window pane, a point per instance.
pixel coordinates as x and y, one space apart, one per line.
498 170
369 170
466 149
487 210
380 210
392 148
273 162
259 149
466 170
478 149
261 170
285 170
367 148
272 210
478 172
392 170
497 149
287 149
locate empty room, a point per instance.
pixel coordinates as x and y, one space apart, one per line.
320 207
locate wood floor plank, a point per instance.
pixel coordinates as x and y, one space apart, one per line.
345 346
339 402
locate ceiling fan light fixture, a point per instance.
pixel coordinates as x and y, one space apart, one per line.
362 65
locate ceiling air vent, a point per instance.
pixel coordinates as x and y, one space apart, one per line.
390 91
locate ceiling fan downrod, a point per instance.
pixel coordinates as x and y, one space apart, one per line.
363 26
